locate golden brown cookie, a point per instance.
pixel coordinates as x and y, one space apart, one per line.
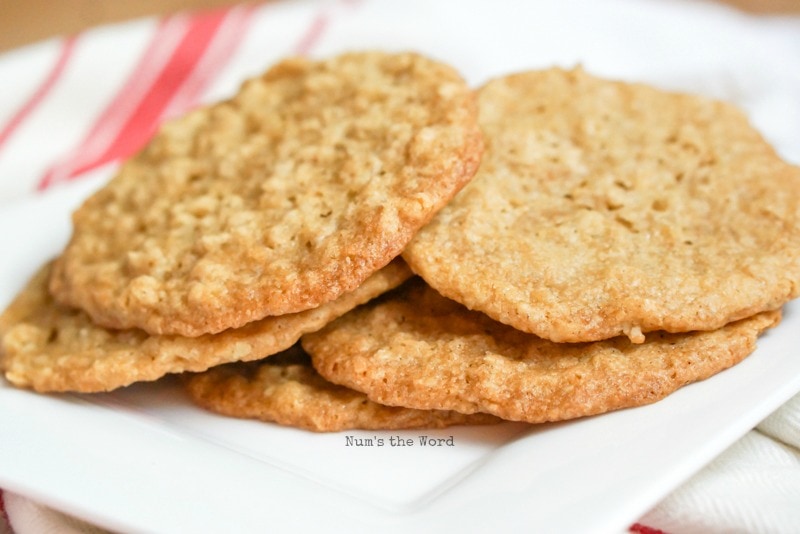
604 208
285 389
415 348
48 347
288 195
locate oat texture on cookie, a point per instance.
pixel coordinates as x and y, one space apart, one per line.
415 348
311 178
604 208
49 347
286 390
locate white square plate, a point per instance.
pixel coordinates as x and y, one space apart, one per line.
144 459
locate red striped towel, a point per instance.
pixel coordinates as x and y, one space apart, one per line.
165 67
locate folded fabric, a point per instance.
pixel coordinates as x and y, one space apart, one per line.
754 486
27 516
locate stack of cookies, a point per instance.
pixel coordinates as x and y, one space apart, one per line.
365 242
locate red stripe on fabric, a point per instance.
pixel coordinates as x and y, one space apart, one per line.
141 125
67 47
228 39
3 513
121 106
318 26
638 528
312 34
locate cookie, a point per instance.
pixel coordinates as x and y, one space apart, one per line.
604 208
285 389
311 178
48 347
415 348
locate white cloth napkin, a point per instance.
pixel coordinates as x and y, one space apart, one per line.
29 517
70 106
754 486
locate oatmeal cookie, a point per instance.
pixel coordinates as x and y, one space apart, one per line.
604 208
48 347
311 178
285 389
415 348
